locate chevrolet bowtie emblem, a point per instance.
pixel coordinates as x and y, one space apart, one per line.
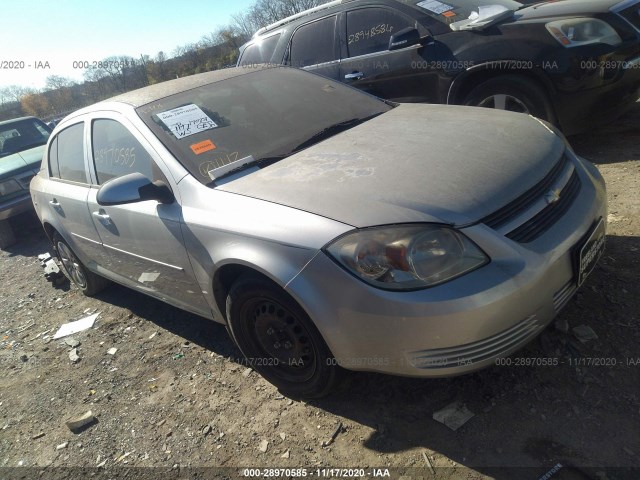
552 196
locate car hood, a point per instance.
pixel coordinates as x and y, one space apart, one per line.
415 163
21 161
565 8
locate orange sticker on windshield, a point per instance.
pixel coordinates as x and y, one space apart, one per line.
202 147
449 13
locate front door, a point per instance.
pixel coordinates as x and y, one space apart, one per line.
144 240
403 75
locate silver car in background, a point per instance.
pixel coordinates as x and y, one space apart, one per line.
325 227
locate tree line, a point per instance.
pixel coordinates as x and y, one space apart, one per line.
118 74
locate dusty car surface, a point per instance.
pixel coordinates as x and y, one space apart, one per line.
22 143
323 226
574 63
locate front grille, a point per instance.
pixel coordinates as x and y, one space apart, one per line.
632 15
520 204
492 347
540 223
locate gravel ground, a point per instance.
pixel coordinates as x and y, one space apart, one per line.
175 396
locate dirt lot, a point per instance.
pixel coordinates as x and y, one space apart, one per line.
175 396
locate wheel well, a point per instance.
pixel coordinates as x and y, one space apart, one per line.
471 81
224 279
49 230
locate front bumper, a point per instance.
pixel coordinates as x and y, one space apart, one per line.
15 206
581 110
463 325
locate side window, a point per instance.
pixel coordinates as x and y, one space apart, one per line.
54 170
71 154
369 29
116 152
261 51
314 43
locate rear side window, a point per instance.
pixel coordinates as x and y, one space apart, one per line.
260 52
314 43
54 170
71 154
117 152
369 29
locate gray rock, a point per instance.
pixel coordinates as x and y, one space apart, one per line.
454 415
584 333
264 446
73 355
72 342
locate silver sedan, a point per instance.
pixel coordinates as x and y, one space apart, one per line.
325 227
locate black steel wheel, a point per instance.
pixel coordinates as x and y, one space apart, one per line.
87 281
278 339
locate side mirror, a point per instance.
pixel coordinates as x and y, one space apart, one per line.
132 188
407 37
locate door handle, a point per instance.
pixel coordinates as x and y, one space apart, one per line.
54 203
102 216
354 76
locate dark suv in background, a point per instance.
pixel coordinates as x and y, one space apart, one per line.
22 143
575 63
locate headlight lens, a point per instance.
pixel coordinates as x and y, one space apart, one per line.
407 257
583 31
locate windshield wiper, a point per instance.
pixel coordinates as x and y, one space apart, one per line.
332 130
231 168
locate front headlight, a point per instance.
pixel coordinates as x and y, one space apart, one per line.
407 257
576 32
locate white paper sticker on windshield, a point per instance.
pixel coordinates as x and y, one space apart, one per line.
435 6
187 120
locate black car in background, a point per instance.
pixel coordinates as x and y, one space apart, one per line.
575 63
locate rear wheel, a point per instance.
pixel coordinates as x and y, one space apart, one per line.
278 339
87 281
513 93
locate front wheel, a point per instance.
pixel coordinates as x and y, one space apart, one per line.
279 340
87 281
513 93
7 237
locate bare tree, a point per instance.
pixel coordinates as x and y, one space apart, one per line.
55 82
14 93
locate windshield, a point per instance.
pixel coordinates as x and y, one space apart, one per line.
23 134
456 10
266 114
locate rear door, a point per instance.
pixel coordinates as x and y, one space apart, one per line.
67 193
144 240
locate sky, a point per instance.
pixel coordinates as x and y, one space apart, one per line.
50 35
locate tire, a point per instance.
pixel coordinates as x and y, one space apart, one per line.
514 93
87 281
279 340
7 237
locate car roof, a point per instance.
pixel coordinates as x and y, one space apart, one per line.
145 95
304 13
